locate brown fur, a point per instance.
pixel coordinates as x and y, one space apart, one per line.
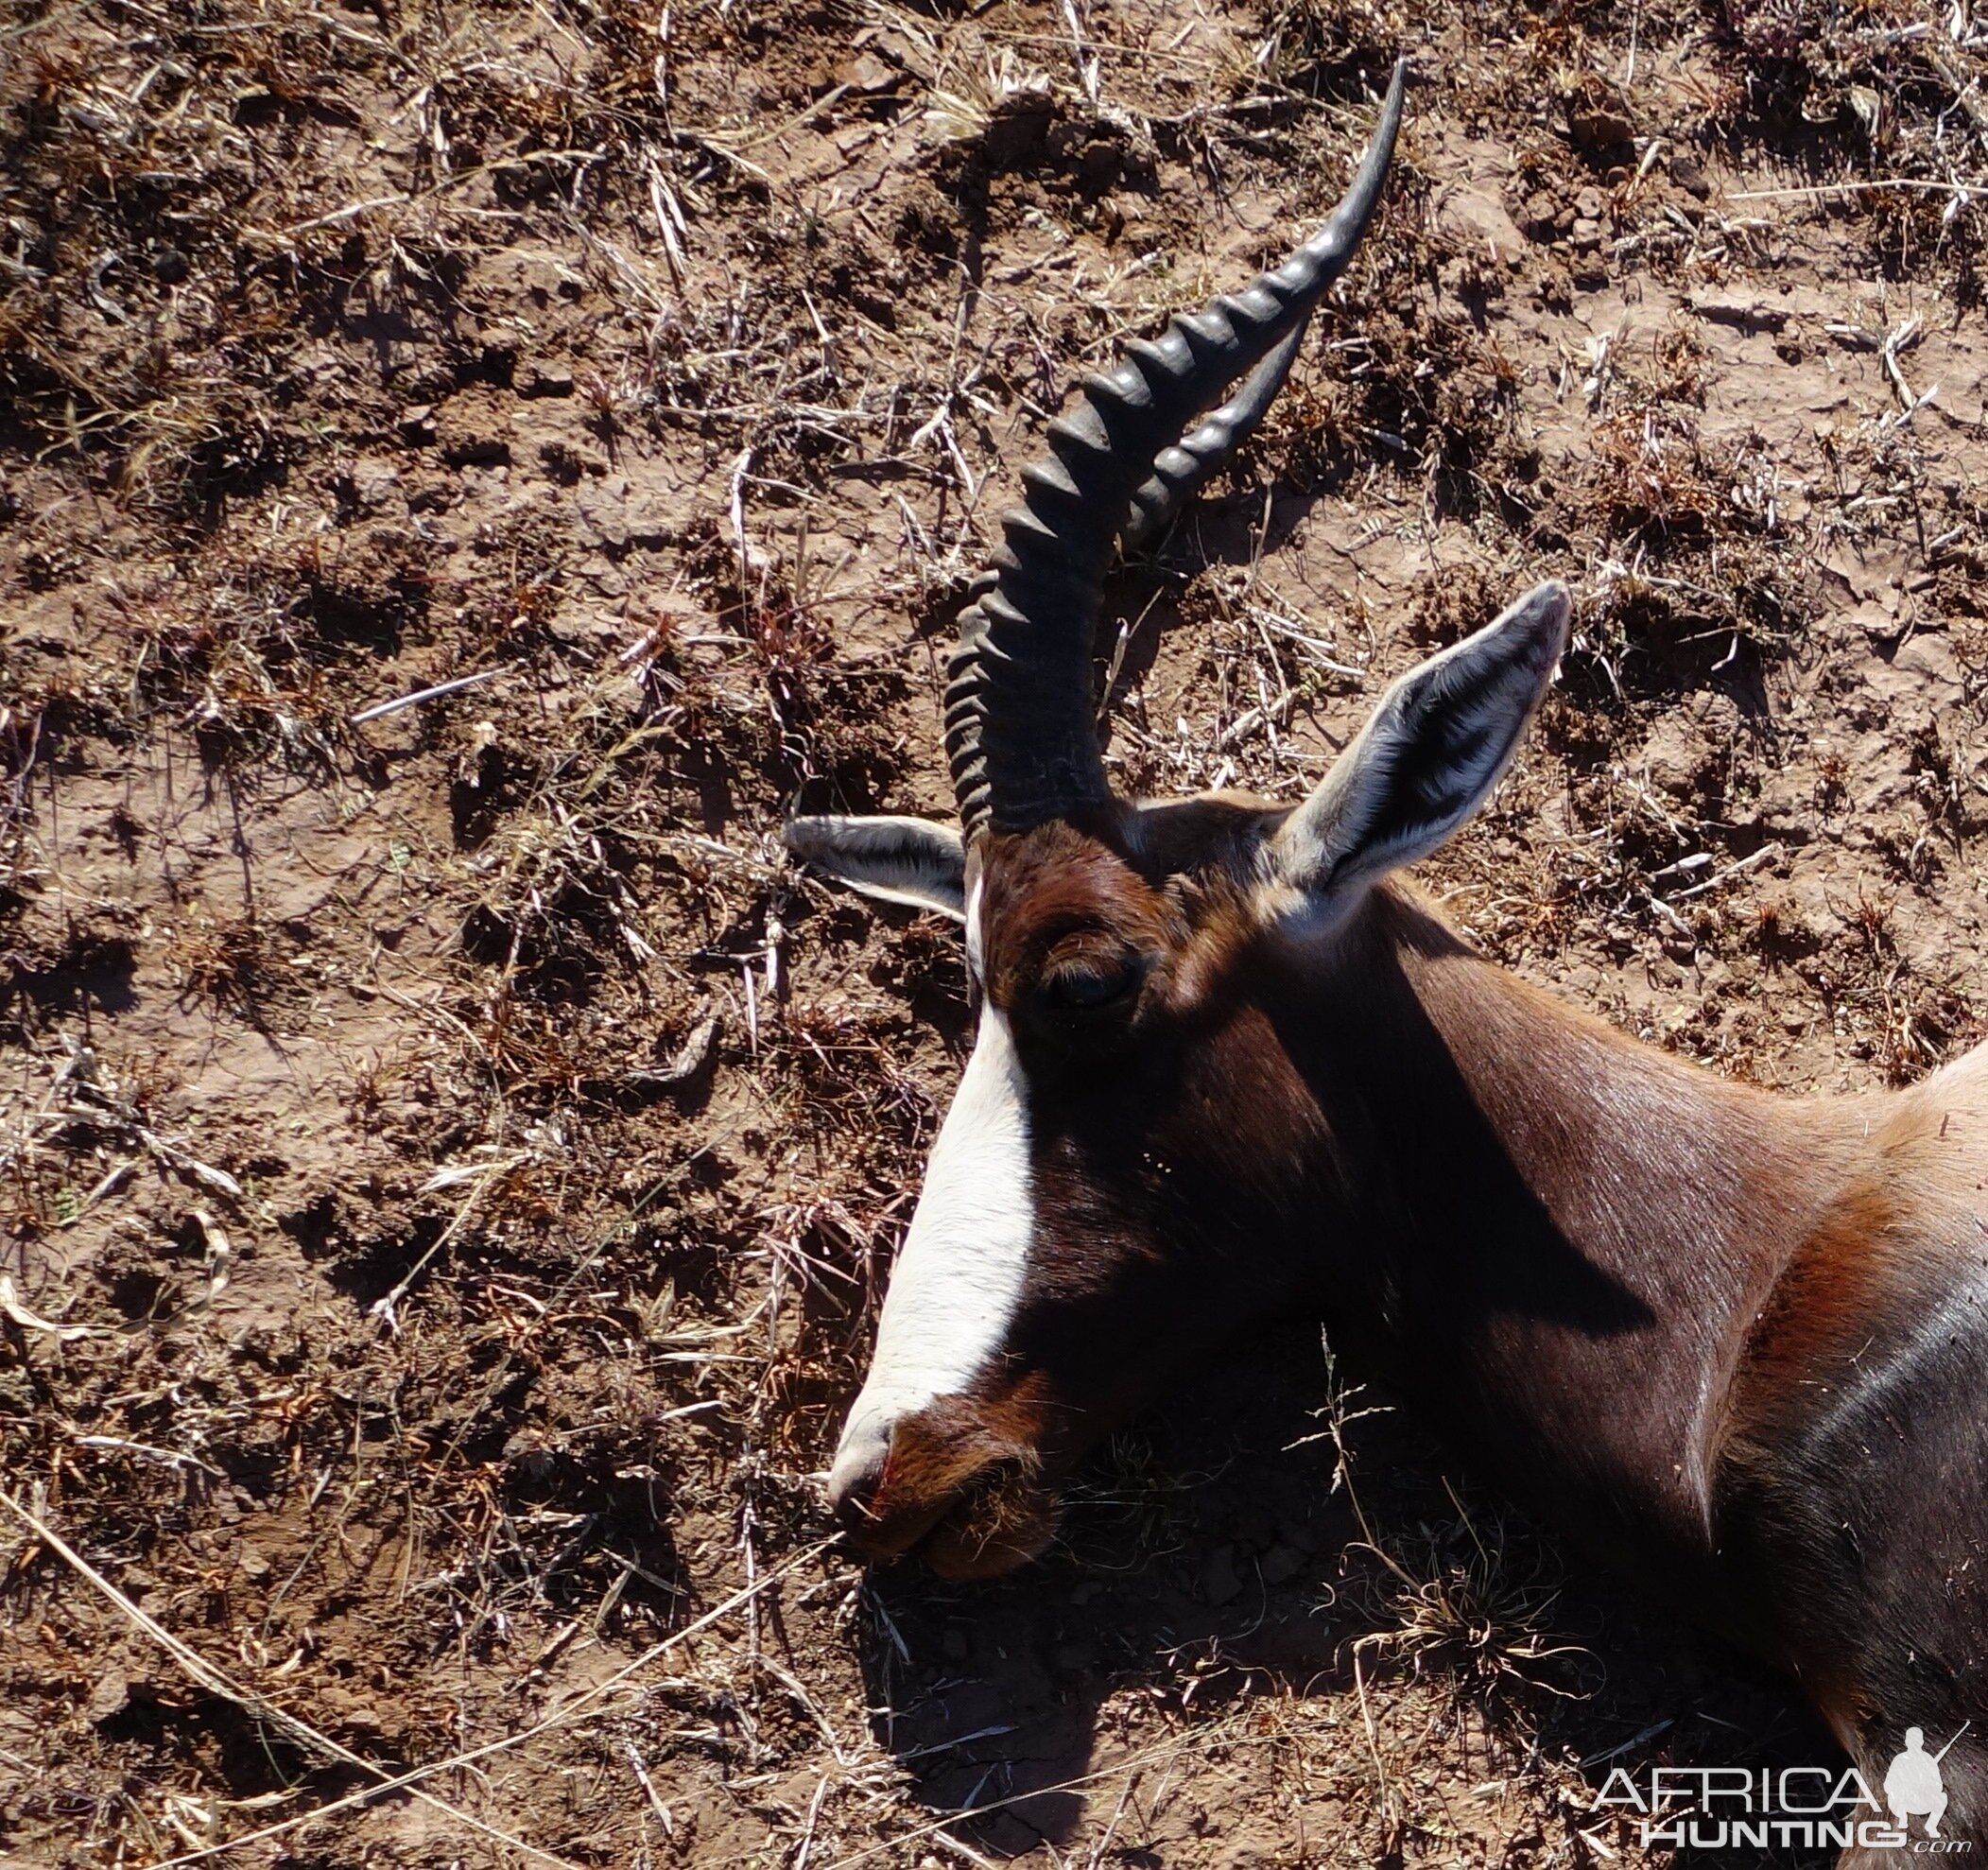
1820 1310
1058 894
964 1476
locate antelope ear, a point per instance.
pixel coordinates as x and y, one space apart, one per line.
1428 756
894 859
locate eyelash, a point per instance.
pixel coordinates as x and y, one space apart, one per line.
1119 980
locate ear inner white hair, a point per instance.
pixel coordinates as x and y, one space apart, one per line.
908 860
1428 754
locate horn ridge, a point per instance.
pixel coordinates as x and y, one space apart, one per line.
1179 471
1019 735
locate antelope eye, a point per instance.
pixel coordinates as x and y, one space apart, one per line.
1090 985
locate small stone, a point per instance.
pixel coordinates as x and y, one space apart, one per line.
545 279
1675 759
1588 205
1539 218
527 1453
868 74
1587 234
1219 1583
109 1696
1074 1659
475 448
373 483
1598 119
1689 175
350 1715
1295 1532
1280 1563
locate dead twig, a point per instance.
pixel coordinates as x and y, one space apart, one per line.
380 710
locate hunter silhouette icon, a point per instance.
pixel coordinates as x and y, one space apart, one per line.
1912 1786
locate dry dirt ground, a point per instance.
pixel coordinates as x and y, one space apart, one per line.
449 1165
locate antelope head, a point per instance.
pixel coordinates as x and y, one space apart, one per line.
1134 1164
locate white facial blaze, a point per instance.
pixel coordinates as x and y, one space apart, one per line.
958 1279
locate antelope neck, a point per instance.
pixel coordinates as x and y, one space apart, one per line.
1560 1237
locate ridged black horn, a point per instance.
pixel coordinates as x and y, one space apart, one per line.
1201 454
1018 729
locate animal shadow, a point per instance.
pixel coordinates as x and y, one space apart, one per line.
1210 1600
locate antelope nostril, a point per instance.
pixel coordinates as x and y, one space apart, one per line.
858 1473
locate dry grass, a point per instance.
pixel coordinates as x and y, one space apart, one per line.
451 1165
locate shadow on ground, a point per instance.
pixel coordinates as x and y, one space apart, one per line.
1210 1574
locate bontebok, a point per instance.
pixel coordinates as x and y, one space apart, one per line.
1225 1063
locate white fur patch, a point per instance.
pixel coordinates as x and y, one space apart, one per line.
975 961
958 1279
